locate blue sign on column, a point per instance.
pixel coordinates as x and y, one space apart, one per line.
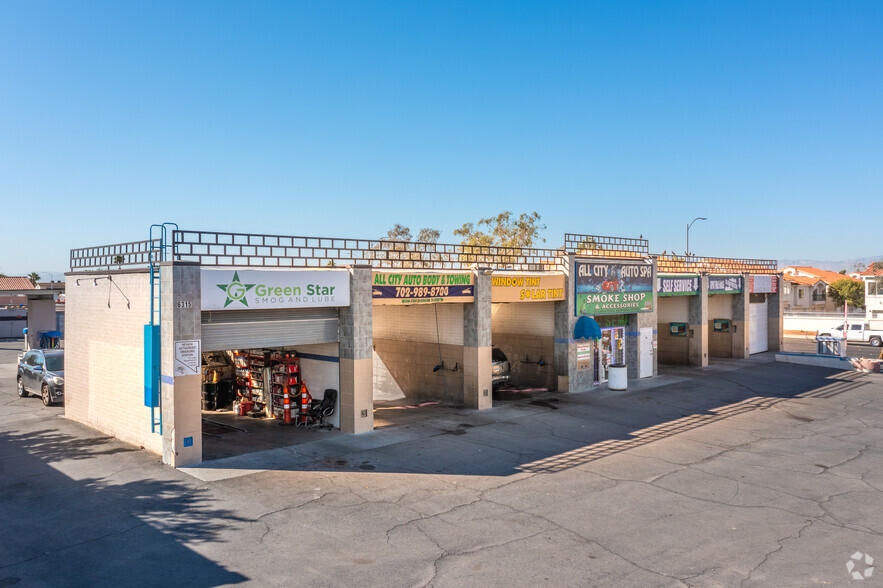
152 365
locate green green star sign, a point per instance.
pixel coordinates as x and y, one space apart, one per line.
235 290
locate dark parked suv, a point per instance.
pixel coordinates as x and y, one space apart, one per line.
42 371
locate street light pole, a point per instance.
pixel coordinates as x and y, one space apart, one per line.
687 253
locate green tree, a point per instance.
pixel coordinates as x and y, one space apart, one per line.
427 235
503 230
401 233
34 277
119 259
846 290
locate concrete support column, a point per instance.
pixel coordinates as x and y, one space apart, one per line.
41 317
569 378
477 342
698 325
740 320
356 363
180 290
775 313
641 325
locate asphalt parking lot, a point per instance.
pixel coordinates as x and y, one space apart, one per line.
747 472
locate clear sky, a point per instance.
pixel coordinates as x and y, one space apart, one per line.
336 119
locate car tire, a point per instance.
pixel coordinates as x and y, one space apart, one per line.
875 342
21 388
44 393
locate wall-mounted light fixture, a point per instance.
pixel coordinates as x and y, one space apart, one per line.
95 280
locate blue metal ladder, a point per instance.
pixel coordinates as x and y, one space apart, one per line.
161 249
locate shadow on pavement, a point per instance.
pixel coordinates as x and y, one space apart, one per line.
57 530
557 431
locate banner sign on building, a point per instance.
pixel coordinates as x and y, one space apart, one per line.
763 284
613 288
421 288
526 287
724 284
267 289
677 285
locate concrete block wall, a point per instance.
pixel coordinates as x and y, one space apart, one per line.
527 330
408 343
569 379
181 287
104 355
477 329
720 306
356 398
428 323
406 367
672 309
698 325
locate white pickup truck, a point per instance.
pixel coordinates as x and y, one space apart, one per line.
855 332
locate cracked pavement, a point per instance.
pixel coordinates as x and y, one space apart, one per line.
745 473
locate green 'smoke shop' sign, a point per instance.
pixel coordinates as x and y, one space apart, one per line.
613 288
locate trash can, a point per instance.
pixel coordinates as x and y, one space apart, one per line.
829 346
617 376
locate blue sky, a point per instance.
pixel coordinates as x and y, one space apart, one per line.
343 118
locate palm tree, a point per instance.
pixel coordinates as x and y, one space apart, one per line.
34 277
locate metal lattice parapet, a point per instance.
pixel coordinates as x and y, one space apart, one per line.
692 264
108 256
601 246
250 250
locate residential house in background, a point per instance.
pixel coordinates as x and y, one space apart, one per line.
873 279
821 279
804 294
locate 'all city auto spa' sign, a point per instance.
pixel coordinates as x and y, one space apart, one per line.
527 287
422 288
613 288
265 289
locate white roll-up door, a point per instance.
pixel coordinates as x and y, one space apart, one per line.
757 327
248 329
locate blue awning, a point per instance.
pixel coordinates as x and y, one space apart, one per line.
586 328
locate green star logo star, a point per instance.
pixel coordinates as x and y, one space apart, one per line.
235 291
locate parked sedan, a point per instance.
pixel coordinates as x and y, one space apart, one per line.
43 371
499 368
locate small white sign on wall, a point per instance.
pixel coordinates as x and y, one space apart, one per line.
188 358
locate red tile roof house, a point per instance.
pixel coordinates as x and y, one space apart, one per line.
10 285
820 299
